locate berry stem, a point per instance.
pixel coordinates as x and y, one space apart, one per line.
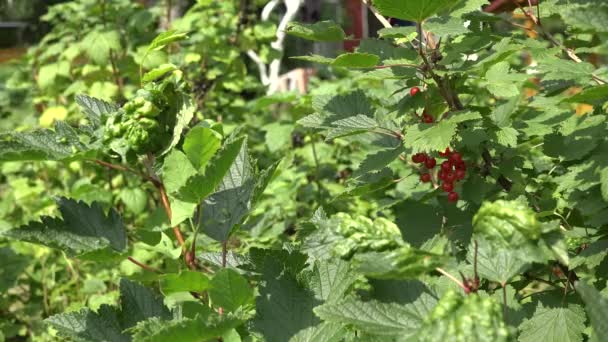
451 277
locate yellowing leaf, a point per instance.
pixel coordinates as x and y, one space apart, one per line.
51 115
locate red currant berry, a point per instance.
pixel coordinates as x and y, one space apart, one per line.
455 157
419 158
414 91
440 174
447 187
453 197
445 153
427 119
446 166
449 177
460 166
430 162
460 174
425 177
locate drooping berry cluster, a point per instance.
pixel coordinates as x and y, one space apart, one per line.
452 170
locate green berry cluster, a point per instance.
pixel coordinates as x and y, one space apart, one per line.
137 123
357 234
508 223
464 318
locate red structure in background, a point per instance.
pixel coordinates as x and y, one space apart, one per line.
355 24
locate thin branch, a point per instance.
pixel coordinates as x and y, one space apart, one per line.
117 79
451 277
224 253
522 26
453 103
167 206
168 13
504 301
395 65
555 42
476 279
144 266
317 171
123 169
377 14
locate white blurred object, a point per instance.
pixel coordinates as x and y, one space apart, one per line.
295 80
269 74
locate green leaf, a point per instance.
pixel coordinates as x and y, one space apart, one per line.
177 169
446 26
428 138
200 144
507 136
357 233
14 264
501 82
554 324
415 11
231 202
184 115
330 280
322 31
597 93
139 303
402 263
373 316
158 72
501 115
314 59
200 328
591 17
262 181
556 68
230 290
596 305
351 125
378 160
94 108
283 302
83 229
278 136
108 323
506 224
436 137
180 210
324 332
165 247
86 325
42 144
592 256
356 60
468 318
165 39
417 221
200 186
398 32
98 45
191 281
333 108
497 264
135 199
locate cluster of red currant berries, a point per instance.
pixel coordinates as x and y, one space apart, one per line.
452 170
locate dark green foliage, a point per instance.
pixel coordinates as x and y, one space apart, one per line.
445 187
